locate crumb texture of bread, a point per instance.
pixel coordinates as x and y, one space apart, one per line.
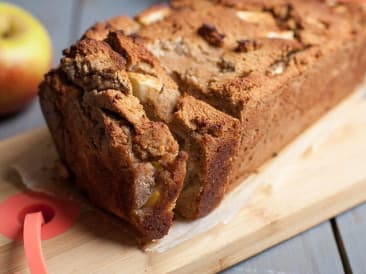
211 139
126 163
162 101
166 112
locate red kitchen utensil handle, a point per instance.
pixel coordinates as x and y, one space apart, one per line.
32 243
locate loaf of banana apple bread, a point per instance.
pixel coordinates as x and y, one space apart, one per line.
125 162
165 112
103 106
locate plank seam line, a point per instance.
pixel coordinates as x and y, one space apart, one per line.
341 249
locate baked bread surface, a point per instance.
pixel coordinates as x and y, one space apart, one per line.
170 110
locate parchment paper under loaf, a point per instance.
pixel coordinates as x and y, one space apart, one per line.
38 171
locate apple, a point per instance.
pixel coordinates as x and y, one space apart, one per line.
25 56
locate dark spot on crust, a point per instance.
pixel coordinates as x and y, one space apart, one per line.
286 18
282 12
218 171
137 38
111 114
246 46
246 73
203 126
280 65
225 65
211 35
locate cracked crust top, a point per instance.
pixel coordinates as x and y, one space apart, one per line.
123 88
125 162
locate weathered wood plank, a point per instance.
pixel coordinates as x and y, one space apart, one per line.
56 17
314 251
352 229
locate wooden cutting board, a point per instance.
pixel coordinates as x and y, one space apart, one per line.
327 179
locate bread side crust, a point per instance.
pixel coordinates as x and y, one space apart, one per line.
126 163
251 76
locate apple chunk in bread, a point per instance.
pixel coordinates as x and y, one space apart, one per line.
145 86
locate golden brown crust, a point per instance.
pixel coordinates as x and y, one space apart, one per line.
99 31
211 138
272 67
257 72
125 162
205 183
153 14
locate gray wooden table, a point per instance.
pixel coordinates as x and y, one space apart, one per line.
336 246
